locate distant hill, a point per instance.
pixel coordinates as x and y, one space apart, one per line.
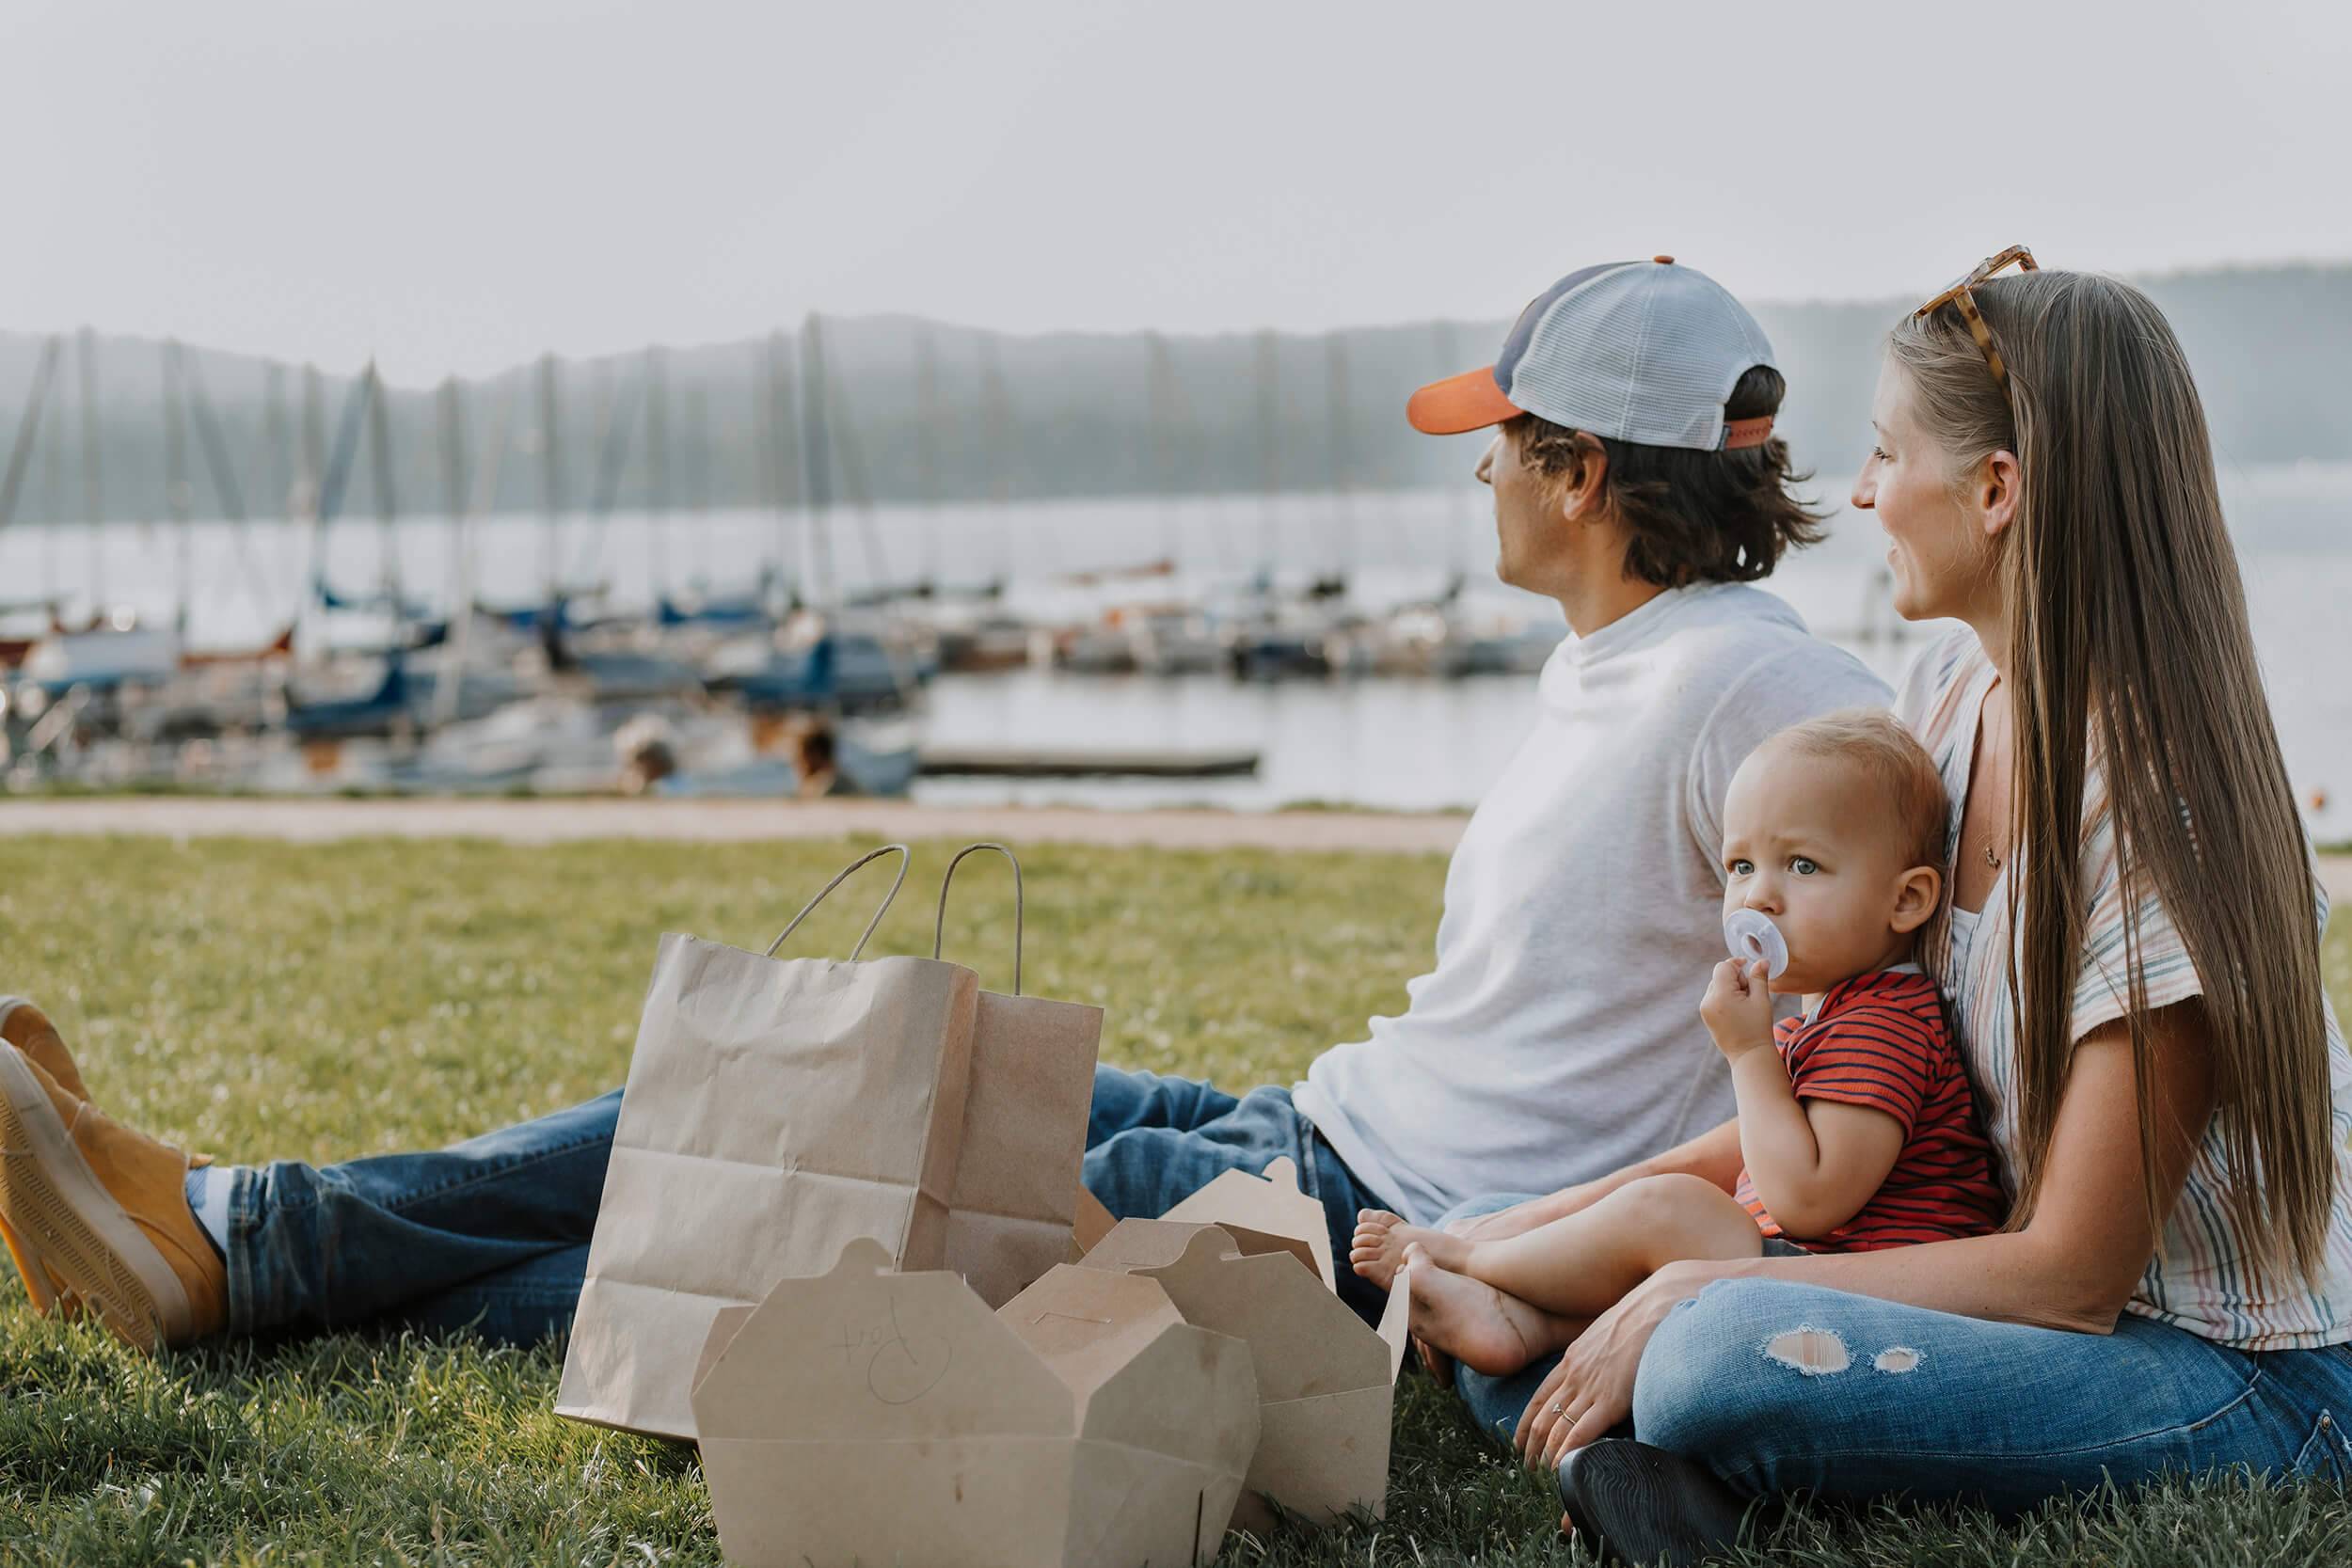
1080 413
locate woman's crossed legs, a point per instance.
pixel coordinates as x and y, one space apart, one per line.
1780 1386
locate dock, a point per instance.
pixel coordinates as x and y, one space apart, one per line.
1033 762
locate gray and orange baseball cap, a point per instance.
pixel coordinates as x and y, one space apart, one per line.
1646 352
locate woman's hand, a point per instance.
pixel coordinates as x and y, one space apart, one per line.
1591 1390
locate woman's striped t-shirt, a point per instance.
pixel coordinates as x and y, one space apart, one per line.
1880 1039
2197 1280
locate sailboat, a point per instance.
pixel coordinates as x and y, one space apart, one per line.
101 658
825 660
972 630
1310 634
392 706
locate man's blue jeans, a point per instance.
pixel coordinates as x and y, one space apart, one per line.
493 1232
1933 1405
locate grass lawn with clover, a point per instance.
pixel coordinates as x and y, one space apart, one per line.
268 1001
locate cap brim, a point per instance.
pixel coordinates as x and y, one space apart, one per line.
1471 400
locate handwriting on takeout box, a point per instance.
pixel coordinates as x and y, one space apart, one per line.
900 1368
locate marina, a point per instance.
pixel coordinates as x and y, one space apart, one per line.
1336 646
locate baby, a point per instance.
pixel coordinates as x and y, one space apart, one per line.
1855 1120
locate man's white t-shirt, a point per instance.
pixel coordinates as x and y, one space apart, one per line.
1559 1038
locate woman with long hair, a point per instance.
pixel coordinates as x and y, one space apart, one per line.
2130 950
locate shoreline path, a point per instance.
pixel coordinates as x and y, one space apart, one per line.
320 821
560 821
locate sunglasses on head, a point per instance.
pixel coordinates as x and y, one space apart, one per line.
2016 255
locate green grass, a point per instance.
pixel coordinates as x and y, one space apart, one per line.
266 1001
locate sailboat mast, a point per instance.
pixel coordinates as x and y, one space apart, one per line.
927 431
28 429
270 492
657 470
697 497
311 453
815 459
448 692
54 504
997 434
1457 525
1335 370
778 436
226 493
1270 382
1160 411
380 472
550 477
93 497
176 488
450 398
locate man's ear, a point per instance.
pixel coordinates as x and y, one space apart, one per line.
1584 497
1918 893
1996 492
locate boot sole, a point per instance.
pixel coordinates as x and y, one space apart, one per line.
1633 1503
67 1235
35 1285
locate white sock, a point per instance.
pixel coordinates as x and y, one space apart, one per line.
208 1195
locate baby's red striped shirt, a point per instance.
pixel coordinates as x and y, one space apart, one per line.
1882 1039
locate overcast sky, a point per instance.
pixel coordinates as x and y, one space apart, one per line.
457 186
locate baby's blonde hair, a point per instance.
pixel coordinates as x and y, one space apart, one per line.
1883 748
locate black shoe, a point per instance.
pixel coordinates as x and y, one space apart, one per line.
1633 1503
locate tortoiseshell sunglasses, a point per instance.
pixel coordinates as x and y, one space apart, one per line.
1958 294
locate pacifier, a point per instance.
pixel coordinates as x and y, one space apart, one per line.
1750 934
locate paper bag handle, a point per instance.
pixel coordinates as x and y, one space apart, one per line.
905 856
939 932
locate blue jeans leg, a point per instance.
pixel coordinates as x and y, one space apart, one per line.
1497 1403
493 1232
1873 1399
1166 1138
311 1247
1125 1099
519 1305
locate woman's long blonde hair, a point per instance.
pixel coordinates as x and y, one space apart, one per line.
2128 629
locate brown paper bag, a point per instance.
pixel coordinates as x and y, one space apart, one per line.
1025 1125
776 1111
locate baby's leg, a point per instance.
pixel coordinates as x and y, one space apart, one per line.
1582 1264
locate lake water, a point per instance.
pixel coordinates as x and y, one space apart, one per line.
1401 744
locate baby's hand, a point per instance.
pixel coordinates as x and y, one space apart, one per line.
1737 1008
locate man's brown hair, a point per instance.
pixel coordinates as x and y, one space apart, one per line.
1694 517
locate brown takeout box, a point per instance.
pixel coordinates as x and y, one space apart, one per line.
1264 1212
1326 1383
866 1417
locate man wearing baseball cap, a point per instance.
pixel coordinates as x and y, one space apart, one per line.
1556 1040
1638 483
1555 1047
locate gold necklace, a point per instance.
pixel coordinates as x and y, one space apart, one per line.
1987 715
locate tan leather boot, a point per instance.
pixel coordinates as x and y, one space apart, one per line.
28 1029
99 1215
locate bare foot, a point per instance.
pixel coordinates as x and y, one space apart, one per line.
1382 1238
1477 1325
